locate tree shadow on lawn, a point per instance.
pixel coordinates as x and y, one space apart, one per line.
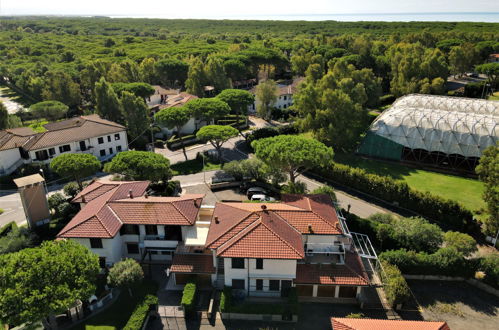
429 293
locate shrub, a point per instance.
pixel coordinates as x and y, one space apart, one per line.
139 315
55 200
234 169
355 316
189 297
381 218
298 187
463 243
447 213
396 288
125 274
326 190
416 234
490 266
387 99
71 189
261 133
8 228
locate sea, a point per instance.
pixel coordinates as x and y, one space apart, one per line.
492 17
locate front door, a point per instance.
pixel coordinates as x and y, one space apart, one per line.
285 287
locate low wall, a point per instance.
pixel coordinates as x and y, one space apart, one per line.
257 317
471 281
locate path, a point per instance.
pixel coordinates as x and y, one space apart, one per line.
11 105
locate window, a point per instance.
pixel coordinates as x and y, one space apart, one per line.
237 263
100 140
96 243
111 151
102 153
51 152
129 230
64 148
238 284
109 138
259 263
259 285
132 248
285 97
118 148
274 285
42 155
151 230
117 136
102 262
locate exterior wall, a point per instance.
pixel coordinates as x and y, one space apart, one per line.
111 248
188 128
8 160
92 142
282 102
273 269
35 204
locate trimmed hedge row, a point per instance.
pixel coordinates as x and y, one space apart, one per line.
396 288
444 211
189 297
139 315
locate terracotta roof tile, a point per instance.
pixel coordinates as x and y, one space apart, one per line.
268 237
192 263
350 273
99 187
375 324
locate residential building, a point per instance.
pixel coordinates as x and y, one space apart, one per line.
373 324
85 134
493 58
260 249
285 94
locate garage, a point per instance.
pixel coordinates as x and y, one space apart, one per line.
304 290
348 291
326 291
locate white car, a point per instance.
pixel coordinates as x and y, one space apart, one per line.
255 190
262 198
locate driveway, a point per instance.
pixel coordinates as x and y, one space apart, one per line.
10 202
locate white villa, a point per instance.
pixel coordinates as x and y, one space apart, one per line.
285 94
261 249
85 134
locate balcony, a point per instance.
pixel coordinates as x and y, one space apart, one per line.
325 253
159 241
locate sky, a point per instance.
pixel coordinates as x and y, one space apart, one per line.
227 8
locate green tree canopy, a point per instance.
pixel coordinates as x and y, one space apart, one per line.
266 96
172 71
488 173
136 116
60 86
292 154
208 109
125 274
217 135
216 75
4 117
237 99
139 89
108 104
43 281
196 78
140 165
174 118
77 166
492 72
462 242
50 110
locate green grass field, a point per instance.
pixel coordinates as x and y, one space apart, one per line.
464 190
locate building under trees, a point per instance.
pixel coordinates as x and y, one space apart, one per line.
441 131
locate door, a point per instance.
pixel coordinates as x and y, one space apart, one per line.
285 287
83 146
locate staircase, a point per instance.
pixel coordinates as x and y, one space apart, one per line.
220 282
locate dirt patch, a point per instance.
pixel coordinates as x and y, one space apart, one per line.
461 305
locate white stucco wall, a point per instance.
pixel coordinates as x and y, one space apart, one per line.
94 142
188 128
8 158
272 269
282 102
111 248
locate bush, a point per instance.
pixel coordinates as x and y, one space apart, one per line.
139 315
8 228
474 89
125 274
55 200
490 266
447 213
386 99
298 187
463 243
189 297
261 133
71 189
396 288
169 188
444 262
327 190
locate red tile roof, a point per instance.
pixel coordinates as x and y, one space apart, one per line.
246 230
350 273
99 187
104 215
196 263
268 237
374 324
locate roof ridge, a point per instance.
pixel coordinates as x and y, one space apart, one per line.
89 118
282 240
179 211
231 227
103 225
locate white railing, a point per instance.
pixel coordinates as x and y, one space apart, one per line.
324 248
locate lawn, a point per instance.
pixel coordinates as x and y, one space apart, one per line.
193 166
117 315
464 190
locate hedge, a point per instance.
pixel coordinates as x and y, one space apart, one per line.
139 315
396 288
189 297
444 262
8 228
446 212
490 266
226 306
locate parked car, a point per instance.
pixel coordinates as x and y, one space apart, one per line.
255 190
262 198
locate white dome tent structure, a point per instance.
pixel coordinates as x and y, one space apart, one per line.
443 131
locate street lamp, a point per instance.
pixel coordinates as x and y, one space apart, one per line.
44 181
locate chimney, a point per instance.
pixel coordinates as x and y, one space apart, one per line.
264 207
146 195
83 199
130 194
310 230
195 203
216 220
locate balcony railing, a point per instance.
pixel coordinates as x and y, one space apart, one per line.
324 248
